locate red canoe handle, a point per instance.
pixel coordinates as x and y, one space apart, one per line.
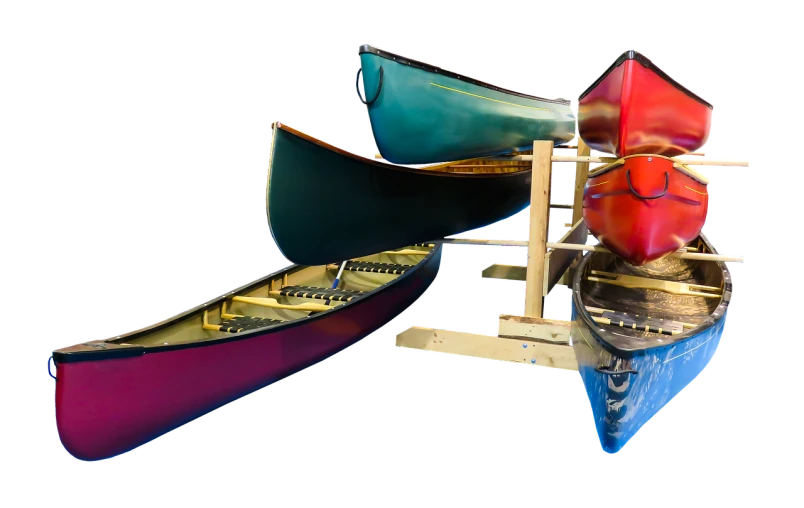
666 185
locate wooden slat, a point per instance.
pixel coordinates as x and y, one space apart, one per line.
484 346
666 286
556 262
681 255
467 241
539 220
523 327
273 304
581 174
504 271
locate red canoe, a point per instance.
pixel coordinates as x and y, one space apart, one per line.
636 108
114 395
644 207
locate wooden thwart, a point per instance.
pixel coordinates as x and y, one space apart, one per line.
666 286
274 304
407 252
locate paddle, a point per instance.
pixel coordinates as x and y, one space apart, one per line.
337 279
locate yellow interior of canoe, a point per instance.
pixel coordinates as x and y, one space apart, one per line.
474 166
295 294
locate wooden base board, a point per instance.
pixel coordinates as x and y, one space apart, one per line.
551 331
508 272
521 350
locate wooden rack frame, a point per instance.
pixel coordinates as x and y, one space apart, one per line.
530 338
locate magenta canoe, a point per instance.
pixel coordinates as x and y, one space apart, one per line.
114 395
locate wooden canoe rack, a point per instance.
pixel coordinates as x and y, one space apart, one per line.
531 338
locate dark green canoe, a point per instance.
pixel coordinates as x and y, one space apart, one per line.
422 114
326 205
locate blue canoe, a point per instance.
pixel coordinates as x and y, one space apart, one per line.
636 347
422 114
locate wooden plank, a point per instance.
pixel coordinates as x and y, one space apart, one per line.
485 346
523 327
539 219
607 160
467 241
581 173
678 254
556 262
508 272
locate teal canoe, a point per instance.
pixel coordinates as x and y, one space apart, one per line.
423 114
326 205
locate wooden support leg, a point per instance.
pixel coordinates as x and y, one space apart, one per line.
581 172
539 218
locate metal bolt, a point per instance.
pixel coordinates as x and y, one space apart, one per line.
533 360
524 346
650 159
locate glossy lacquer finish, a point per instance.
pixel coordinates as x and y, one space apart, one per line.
325 205
636 108
645 208
106 407
628 380
424 114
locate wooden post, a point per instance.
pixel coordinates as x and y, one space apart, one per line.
581 172
539 219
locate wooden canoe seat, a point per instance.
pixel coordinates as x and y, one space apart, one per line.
235 323
317 293
637 322
373 267
244 323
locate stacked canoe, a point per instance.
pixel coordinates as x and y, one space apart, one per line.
645 322
420 114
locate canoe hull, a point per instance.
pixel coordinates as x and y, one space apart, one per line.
630 376
623 403
636 108
107 407
641 229
347 206
422 116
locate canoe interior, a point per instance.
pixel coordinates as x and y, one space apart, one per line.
190 328
652 304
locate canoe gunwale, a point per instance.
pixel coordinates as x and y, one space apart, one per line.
59 356
431 171
633 55
607 338
686 170
366 48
